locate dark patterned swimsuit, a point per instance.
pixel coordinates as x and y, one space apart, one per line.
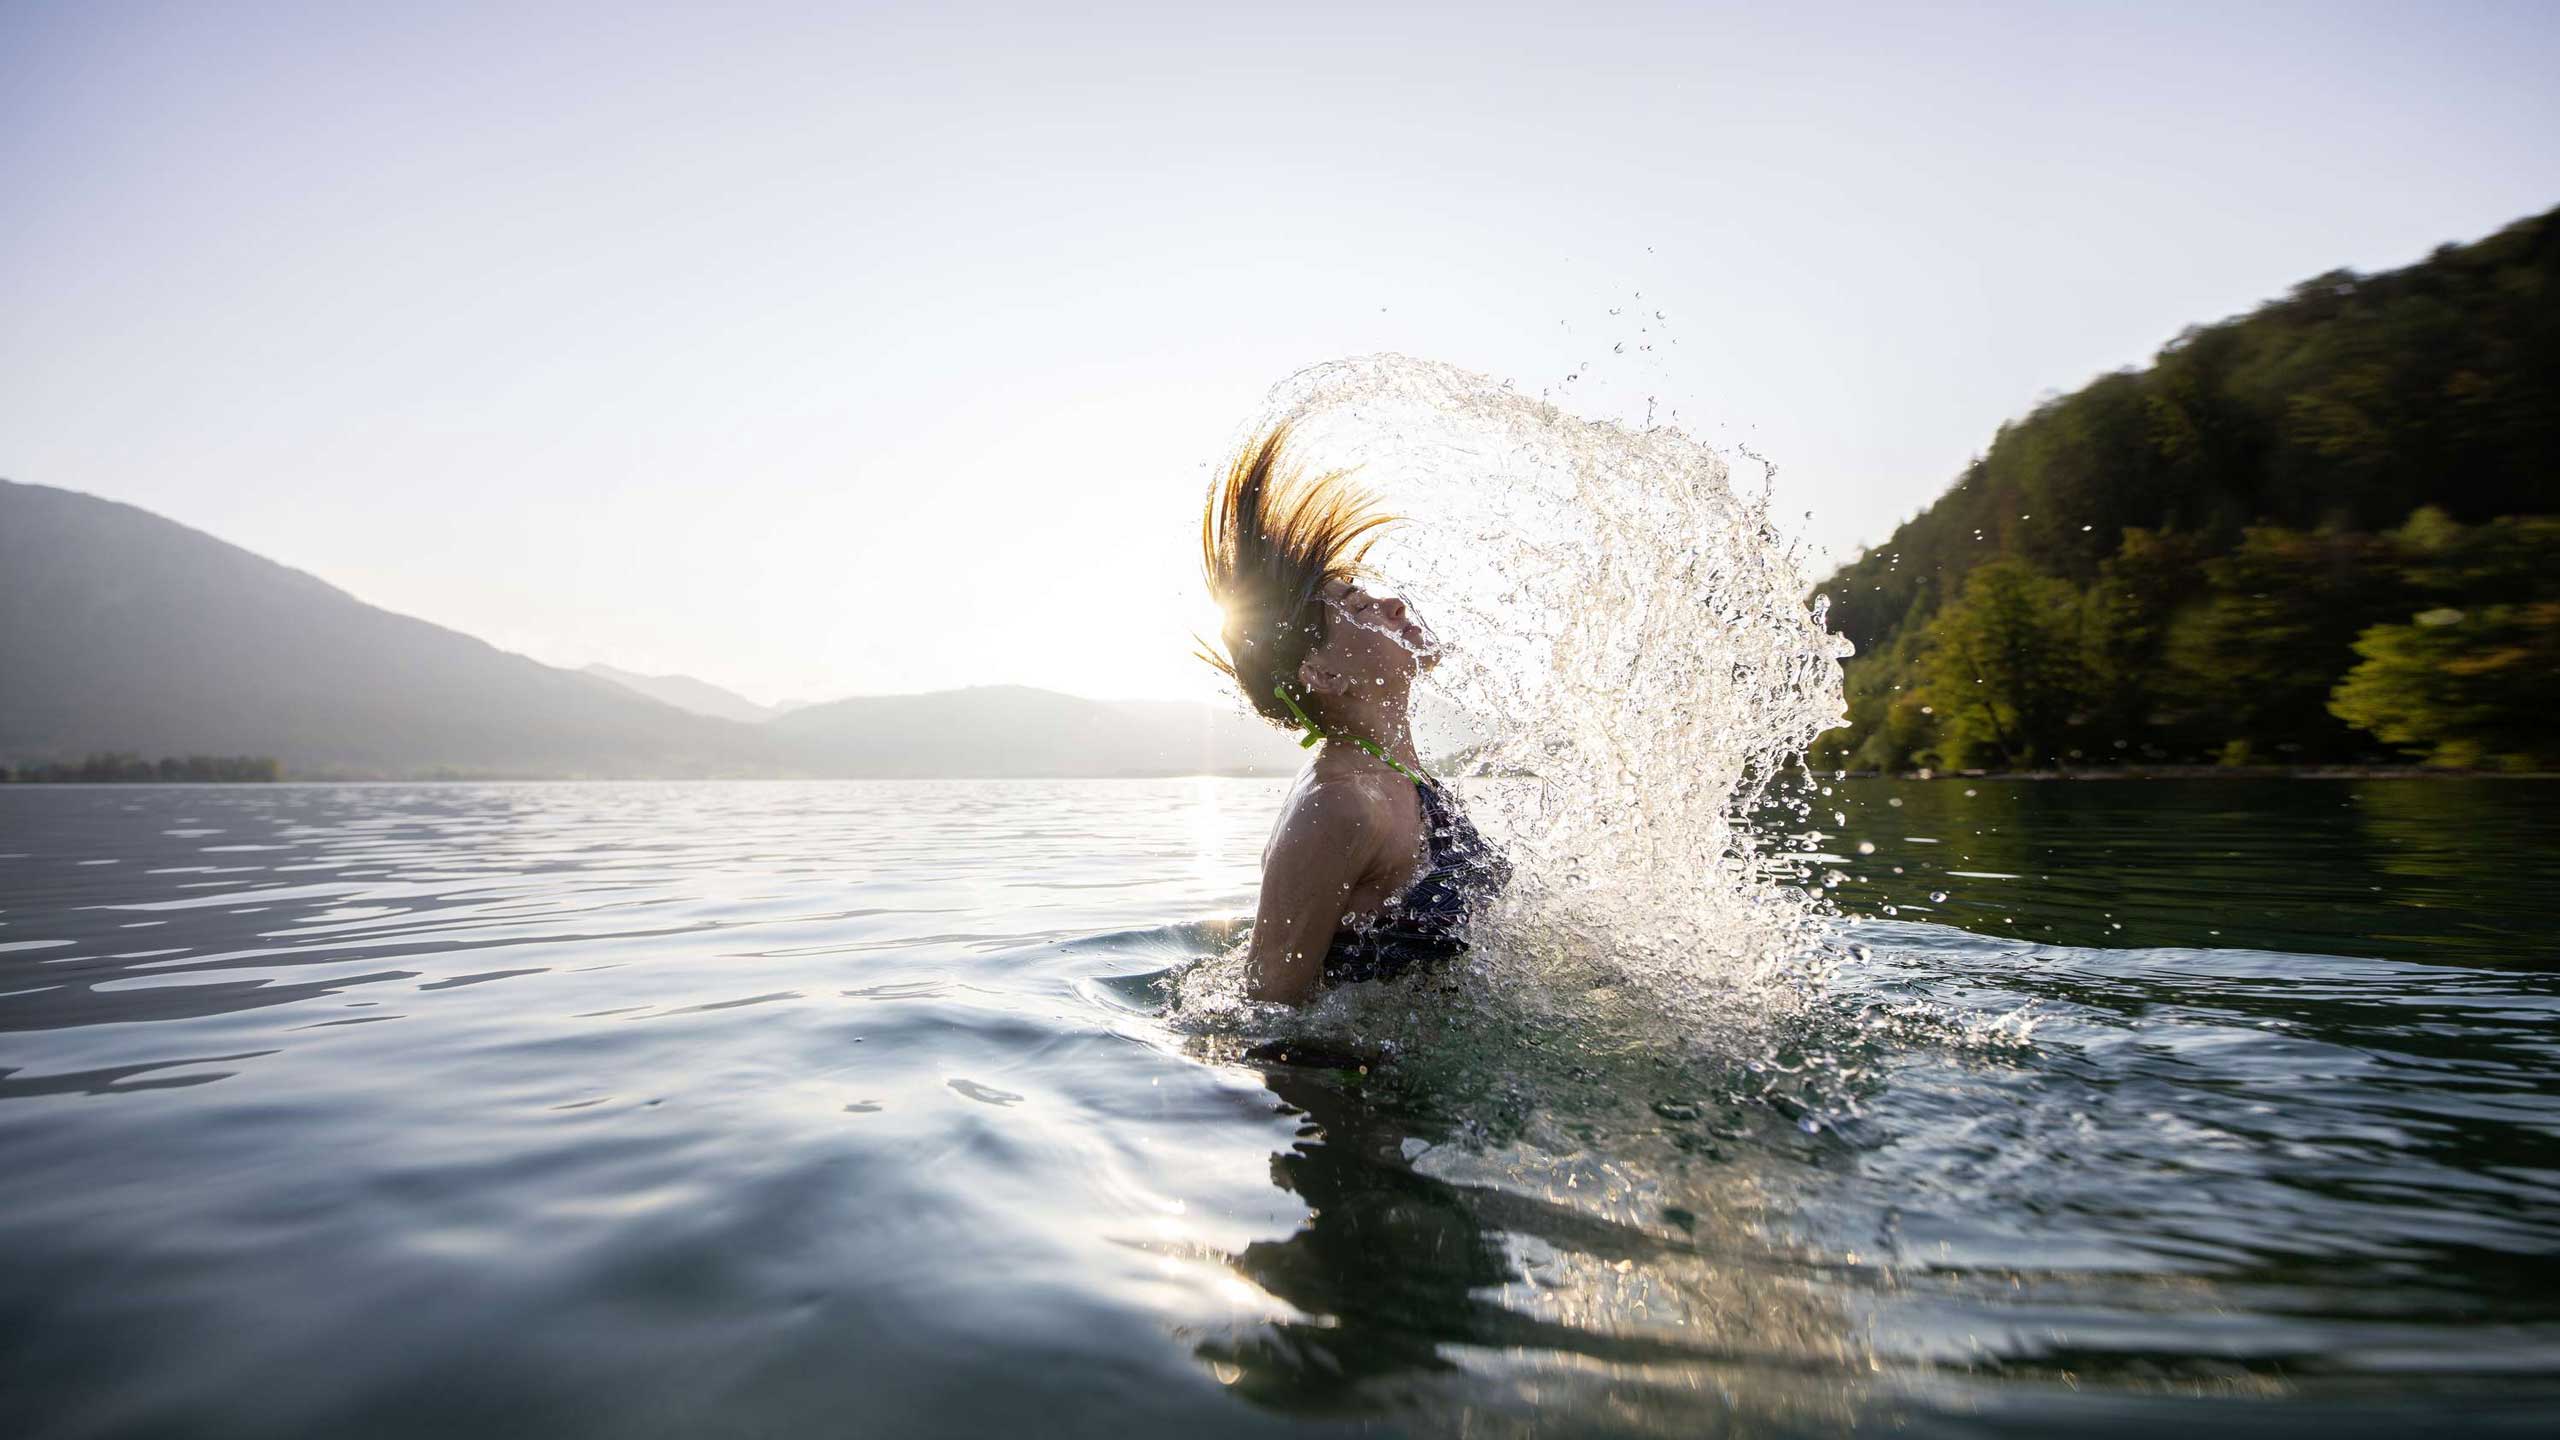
1427 923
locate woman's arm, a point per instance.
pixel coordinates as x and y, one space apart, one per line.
1328 841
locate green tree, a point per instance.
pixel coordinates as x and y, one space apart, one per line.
2511 560
2254 663
2470 688
2124 632
1888 724
2003 673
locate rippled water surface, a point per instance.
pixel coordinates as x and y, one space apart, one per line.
849 1108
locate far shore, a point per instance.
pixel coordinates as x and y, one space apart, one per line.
2215 772
452 778
2129 772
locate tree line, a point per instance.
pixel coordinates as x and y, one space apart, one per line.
126 766
2324 532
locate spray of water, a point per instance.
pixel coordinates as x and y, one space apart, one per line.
1628 1081
1632 663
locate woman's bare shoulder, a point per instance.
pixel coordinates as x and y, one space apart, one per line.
1339 808
1357 793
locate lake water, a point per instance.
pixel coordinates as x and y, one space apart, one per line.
776 1109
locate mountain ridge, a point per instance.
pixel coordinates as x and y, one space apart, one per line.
684 692
126 631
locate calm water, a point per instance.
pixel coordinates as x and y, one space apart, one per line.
780 1109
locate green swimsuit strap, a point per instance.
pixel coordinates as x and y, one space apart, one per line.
1317 732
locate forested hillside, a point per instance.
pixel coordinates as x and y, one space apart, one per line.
2326 531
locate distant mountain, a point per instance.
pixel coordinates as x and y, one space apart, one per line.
126 631
1013 730
123 631
697 697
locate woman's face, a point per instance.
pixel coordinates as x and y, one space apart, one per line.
1370 636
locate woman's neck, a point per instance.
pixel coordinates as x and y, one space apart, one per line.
1384 722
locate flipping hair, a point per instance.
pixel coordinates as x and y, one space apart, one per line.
1270 538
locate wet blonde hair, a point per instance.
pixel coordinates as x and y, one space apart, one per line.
1270 539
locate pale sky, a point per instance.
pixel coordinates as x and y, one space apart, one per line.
816 349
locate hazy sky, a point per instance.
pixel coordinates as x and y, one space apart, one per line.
828 348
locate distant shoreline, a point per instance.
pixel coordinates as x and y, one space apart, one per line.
2148 772
15 784
2215 772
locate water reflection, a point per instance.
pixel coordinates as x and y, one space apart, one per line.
1478 1283
1387 1267
2460 870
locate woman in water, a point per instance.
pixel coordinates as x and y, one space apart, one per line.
1372 870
